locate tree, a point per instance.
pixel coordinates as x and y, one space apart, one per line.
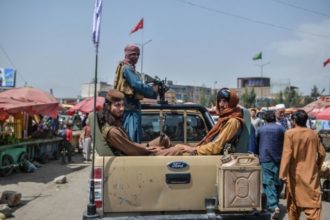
249 98
291 97
315 92
308 99
280 97
202 98
186 98
313 96
212 99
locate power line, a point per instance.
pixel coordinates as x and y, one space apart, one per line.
12 63
252 20
301 8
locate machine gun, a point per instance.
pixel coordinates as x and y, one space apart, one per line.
163 128
163 88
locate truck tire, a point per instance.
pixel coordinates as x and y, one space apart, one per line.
6 165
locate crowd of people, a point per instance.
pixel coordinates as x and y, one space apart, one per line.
290 153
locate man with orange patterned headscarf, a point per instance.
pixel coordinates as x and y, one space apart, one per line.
228 126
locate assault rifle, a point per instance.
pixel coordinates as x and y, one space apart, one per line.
163 88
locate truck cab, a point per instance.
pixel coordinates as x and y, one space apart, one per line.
179 187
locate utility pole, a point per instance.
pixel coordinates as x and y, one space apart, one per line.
262 67
142 50
261 74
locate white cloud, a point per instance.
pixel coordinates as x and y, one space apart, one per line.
306 45
301 59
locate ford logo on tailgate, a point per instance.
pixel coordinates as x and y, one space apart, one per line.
178 165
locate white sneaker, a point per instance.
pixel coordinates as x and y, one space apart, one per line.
276 213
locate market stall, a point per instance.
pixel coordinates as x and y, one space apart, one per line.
22 130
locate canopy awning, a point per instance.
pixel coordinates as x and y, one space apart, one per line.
29 100
87 105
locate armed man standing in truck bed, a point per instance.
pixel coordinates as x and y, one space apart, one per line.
226 130
128 81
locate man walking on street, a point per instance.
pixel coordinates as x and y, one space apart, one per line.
86 141
270 139
302 158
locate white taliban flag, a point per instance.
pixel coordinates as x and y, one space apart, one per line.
97 21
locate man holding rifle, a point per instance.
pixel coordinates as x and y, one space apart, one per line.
129 82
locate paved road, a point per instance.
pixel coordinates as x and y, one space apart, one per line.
44 200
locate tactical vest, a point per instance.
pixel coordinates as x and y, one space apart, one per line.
121 85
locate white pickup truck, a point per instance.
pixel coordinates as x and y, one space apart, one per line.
179 187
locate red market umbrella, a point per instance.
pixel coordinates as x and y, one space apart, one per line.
3 115
324 115
317 106
316 111
87 105
29 100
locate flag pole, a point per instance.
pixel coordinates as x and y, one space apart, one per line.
329 80
142 45
261 68
91 206
326 62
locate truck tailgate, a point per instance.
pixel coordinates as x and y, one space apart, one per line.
147 183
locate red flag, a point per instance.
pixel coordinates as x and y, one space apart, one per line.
137 26
326 62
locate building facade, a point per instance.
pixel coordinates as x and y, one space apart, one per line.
87 89
261 86
187 93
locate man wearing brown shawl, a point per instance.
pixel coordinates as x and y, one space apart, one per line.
109 120
302 158
229 123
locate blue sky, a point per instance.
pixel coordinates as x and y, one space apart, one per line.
194 42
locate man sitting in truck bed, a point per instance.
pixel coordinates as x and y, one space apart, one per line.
226 130
109 121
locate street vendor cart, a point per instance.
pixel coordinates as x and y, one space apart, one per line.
17 106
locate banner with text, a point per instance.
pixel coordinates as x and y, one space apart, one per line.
7 77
